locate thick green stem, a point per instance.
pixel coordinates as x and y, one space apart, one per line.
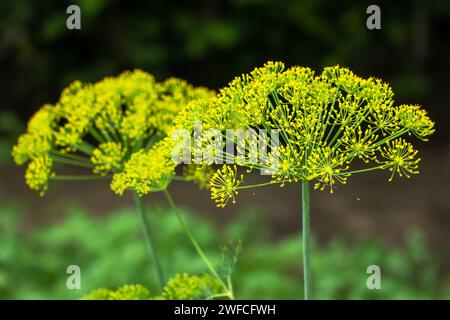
149 239
306 240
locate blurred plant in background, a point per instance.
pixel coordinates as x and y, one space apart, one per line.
110 254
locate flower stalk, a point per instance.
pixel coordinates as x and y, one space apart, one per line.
306 234
149 240
228 288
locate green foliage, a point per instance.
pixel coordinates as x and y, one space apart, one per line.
110 252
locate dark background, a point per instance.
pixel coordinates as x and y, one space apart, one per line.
210 42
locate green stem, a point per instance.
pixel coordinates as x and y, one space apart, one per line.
389 138
365 170
85 147
178 178
97 136
71 162
306 240
70 156
149 239
80 177
197 247
258 185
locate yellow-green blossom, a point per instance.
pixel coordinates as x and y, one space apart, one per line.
331 125
147 171
179 287
108 157
200 174
38 140
191 287
400 157
125 292
102 125
38 173
224 185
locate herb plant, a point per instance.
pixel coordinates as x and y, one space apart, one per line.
331 126
117 130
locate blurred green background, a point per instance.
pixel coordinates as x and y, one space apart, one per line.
208 43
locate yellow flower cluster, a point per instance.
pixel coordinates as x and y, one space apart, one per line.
108 157
224 185
191 287
331 125
146 171
400 158
180 287
125 292
38 172
199 174
326 166
104 125
38 140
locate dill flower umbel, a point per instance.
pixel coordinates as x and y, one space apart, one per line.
224 185
103 125
400 158
39 172
332 125
118 129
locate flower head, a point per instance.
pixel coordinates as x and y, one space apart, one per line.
38 140
108 157
146 171
105 125
190 287
400 157
288 165
224 185
125 292
415 120
38 173
330 125
199 174
327 167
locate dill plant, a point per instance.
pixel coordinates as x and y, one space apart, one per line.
331 126
116 129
